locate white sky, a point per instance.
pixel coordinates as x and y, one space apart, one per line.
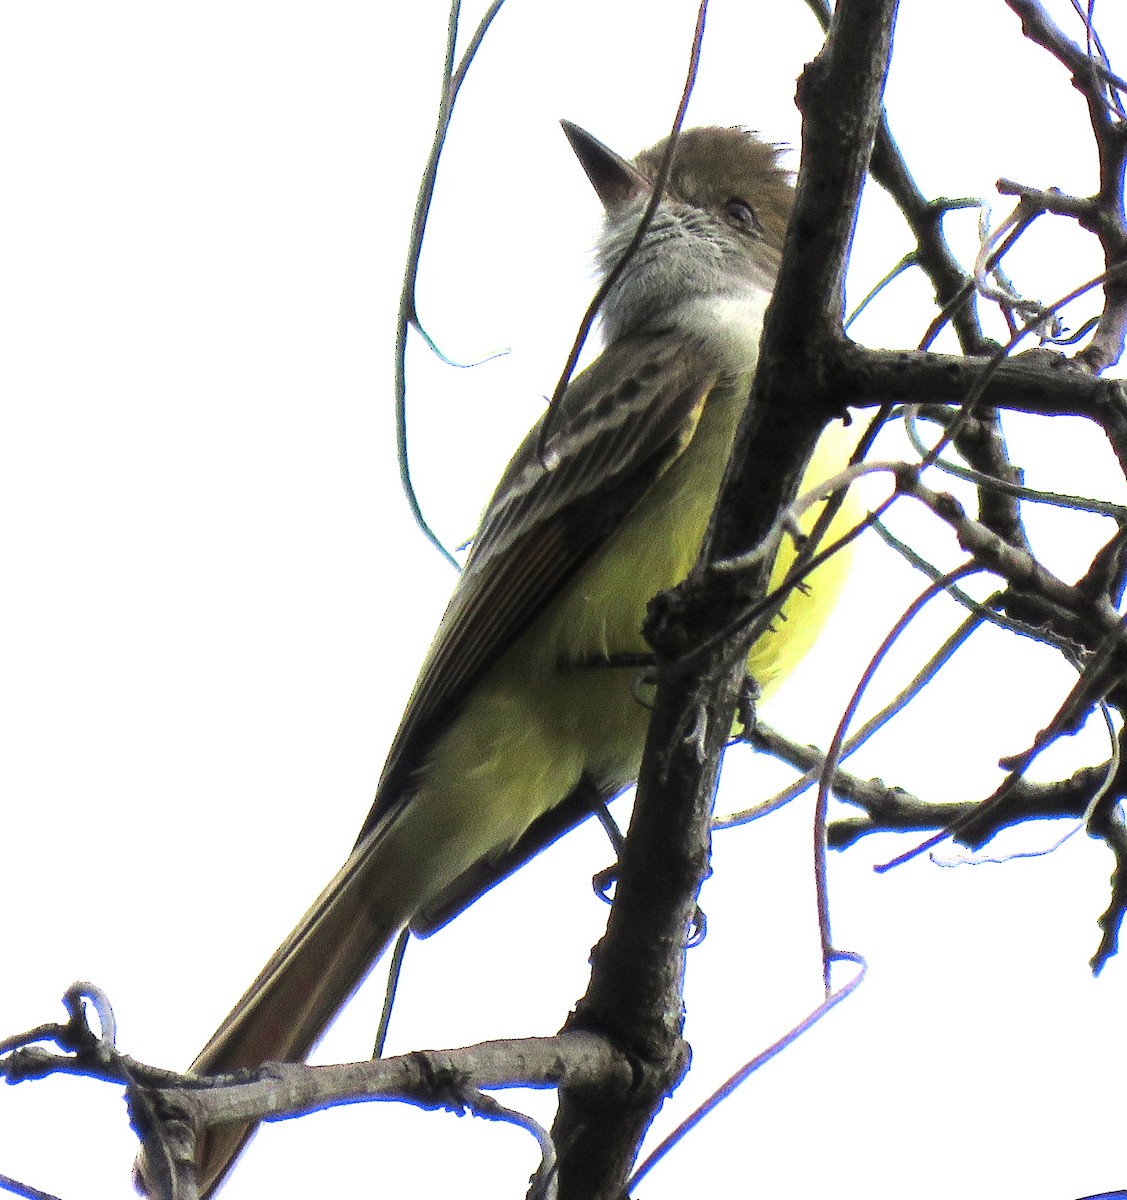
208 637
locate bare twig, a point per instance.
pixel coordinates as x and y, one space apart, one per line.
1103 213
892 810
408 317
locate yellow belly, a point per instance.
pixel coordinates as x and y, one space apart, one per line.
540 719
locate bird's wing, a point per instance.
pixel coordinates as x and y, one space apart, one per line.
617 427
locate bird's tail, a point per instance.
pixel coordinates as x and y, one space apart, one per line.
312 974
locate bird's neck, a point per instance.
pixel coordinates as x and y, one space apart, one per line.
728 323
689 274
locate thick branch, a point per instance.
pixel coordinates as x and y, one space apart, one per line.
954 288
1038 382
635 996
428 1078
169 1111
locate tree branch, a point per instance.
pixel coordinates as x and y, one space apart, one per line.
1102 213
635 995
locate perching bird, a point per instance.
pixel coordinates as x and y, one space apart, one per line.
524 705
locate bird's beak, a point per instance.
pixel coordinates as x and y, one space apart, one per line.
615 178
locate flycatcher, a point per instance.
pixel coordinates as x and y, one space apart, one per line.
526 703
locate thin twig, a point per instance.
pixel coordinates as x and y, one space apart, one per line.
452 81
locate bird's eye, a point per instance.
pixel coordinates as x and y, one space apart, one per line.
743 214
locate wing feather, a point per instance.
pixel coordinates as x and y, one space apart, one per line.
617 427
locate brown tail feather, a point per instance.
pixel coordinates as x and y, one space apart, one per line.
289 1006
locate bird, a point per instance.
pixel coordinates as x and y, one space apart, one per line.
527 703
